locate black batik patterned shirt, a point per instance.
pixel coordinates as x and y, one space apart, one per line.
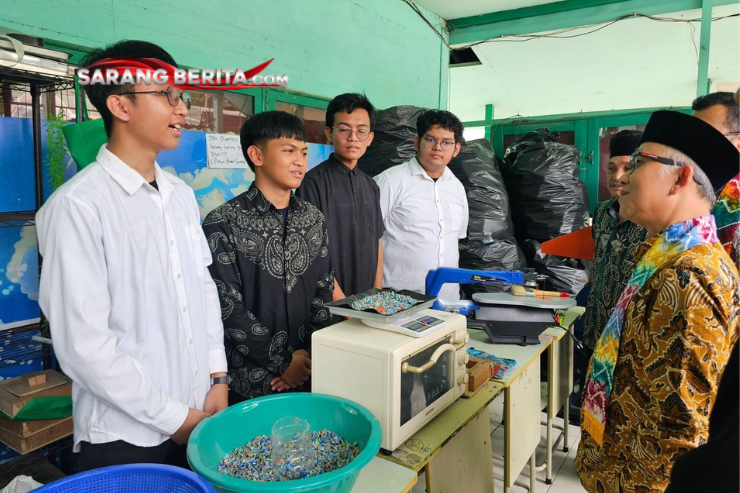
614 261
273 279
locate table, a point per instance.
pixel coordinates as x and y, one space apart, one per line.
559 383
521 403
454 449
385 476
522 397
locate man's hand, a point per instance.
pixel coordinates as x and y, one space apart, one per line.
194 417
216 399
297 373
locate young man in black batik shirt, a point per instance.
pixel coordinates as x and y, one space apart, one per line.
349 199
270 263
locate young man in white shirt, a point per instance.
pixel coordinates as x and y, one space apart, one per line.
424 207
133 311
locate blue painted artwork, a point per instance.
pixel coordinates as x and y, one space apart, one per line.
213 187
18 250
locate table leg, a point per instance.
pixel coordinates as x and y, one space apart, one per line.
566 422
548 455
532 473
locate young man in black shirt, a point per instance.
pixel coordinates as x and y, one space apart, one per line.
349 199
270 263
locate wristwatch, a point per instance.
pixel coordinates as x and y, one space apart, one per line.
221 380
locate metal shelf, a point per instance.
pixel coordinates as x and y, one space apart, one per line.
17 346
17 219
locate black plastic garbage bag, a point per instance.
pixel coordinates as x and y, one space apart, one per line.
547 197
564 274
479 171
395 129
490 255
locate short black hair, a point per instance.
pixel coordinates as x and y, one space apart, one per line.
444 119
726 99
348 103
99 93
268 126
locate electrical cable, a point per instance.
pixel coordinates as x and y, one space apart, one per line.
421 14
602 25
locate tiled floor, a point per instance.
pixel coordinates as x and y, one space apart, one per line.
565 479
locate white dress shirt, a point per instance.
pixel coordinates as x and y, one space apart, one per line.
424 219
133 311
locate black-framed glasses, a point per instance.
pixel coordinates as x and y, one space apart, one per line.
430 142
345 132
651 157
174 96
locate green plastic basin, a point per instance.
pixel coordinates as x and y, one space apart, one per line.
218 435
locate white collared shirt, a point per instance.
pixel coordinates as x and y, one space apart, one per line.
423 221
133 311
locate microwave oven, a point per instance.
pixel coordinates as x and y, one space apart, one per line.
404 381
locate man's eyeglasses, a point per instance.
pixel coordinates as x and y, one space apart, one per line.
651 157
345 132
174 96
430 142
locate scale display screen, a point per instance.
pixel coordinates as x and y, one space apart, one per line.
422 323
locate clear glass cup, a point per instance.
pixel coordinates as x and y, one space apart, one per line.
293 454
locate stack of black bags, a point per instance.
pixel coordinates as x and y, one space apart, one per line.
548 200
490 244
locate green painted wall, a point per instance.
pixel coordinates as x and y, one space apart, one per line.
380 47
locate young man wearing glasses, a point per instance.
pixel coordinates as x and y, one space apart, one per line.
349 199
133 311
424 207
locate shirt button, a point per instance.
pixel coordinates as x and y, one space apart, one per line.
179 276
190 341
172 242
184 309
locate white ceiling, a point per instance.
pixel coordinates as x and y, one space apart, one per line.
636 63
465 8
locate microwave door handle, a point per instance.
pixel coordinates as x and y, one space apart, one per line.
406 368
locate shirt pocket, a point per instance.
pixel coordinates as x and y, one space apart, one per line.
457 217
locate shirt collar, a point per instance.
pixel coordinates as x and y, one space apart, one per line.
614 209
340 166
417 169
129 179
255 195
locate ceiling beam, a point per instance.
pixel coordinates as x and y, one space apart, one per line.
560 15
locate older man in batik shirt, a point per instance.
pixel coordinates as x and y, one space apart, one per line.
679 320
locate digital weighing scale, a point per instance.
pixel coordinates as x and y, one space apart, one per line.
407 322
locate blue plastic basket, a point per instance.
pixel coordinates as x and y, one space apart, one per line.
131 478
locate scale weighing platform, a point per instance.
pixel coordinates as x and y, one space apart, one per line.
408 322
509 319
